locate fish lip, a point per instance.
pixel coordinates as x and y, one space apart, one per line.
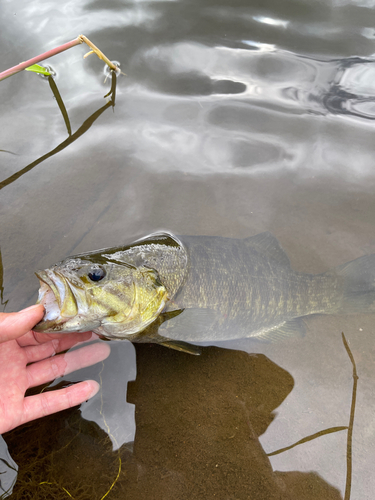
48 325
55 324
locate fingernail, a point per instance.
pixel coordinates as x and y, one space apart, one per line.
95 388
35 306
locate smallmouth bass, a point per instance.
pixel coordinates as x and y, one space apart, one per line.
171 290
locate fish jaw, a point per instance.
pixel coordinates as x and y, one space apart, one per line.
59 302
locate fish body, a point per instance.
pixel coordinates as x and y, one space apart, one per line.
170 289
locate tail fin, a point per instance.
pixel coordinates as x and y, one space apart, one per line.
359 284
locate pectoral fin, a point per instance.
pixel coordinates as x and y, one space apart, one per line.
182 346
192 325
151 334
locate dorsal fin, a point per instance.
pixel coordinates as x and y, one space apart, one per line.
267 244
164 237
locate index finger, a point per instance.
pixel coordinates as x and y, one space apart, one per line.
37 338
14 325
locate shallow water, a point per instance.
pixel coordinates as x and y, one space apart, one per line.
232 119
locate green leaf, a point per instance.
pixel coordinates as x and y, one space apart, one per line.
36 68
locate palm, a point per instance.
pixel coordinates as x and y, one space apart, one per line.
30 361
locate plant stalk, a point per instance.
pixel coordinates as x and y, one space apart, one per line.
46 55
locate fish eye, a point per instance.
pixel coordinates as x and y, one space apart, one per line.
96 273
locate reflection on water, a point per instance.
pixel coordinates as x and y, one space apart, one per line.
233 119
198 422
72 137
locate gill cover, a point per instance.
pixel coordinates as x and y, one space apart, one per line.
149 299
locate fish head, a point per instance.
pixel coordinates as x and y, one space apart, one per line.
116 299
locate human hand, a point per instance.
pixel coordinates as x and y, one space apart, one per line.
27 359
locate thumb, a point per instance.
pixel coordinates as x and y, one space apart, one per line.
14 325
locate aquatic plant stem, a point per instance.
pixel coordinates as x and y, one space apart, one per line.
82 129
46 55
2 285
307 438
61 48
351 423
98 52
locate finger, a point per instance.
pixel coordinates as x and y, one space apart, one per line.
51 402
47 349
13 325
36 353
45 337
36 338
49 369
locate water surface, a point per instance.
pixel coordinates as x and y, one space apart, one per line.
233 119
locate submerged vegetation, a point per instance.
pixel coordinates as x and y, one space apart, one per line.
77 460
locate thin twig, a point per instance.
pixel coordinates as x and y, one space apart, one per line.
306 439
98 52
46 55
349 449
41 57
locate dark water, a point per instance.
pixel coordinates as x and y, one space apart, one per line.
234 118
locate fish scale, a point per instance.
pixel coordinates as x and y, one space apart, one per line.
177 289
249 291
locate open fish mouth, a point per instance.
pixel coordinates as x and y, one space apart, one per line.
58 299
